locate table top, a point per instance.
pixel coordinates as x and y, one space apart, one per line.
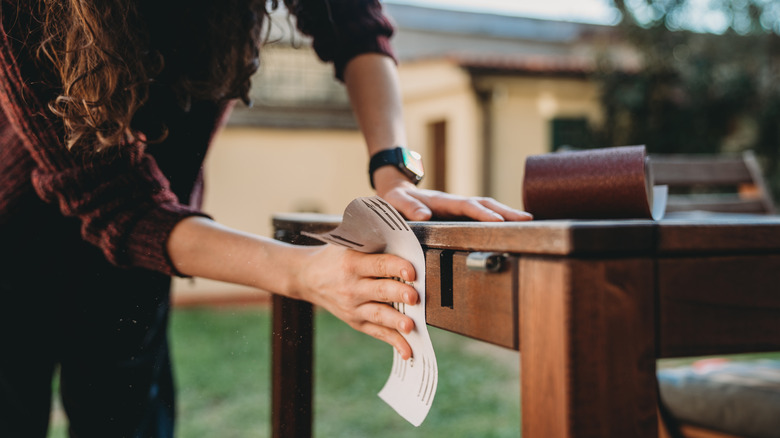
679 233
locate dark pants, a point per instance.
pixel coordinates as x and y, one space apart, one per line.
62 306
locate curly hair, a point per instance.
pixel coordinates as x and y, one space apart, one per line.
107 53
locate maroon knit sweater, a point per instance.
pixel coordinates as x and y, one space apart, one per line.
125 203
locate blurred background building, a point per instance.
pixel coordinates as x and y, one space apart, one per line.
481 92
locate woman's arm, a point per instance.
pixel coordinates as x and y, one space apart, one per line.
351 285
372 83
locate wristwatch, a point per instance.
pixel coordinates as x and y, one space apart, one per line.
408 162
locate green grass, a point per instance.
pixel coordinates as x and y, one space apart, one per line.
222 367
222 362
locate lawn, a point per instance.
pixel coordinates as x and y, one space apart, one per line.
222 358
222 365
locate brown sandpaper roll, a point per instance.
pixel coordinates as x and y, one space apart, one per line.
609 183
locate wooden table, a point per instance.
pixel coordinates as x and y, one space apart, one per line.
591 305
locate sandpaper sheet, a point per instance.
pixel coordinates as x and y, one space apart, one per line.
611 183
371 225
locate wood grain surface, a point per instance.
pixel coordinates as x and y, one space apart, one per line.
590 304
587 344
719 305
483 304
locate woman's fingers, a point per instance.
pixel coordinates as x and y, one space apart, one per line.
374 316
386 316
357 288
385 290
392 337
412 208
385 323
382 266
508 213
444 205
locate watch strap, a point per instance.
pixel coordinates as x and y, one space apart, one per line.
390 157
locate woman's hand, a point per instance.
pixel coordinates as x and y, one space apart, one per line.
357 288
421 204
354 286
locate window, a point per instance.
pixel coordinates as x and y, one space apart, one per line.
570 133
290 76
294 89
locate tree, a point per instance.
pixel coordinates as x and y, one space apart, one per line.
697 92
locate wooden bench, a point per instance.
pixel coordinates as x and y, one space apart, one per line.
711 183
715 183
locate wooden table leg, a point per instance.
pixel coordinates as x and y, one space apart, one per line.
587 343
291 409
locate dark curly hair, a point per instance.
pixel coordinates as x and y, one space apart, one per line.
107 53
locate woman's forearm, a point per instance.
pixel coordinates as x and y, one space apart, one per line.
353 286
200 247
375 95
374 92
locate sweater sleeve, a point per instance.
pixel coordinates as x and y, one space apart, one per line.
343 29
122 198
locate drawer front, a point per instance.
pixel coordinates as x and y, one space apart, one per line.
477 303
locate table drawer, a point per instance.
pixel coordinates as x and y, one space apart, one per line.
478 303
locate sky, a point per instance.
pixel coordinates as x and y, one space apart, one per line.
588 11
698 15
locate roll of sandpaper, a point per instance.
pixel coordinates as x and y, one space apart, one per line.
609 183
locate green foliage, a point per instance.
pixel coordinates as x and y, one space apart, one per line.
696 92
741 16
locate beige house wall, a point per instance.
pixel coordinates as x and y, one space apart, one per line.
435 91
522 109
252 173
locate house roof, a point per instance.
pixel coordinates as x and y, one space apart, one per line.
529 65
483 41
409 17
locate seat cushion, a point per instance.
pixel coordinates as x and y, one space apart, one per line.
737 397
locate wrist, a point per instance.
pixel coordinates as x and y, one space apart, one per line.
299 262
405 162
387 178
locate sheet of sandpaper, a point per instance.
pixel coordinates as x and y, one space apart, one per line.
371 225
610 183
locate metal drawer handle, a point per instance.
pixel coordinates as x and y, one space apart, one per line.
485 261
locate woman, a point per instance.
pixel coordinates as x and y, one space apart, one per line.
108 107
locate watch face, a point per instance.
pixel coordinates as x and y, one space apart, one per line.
413 161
